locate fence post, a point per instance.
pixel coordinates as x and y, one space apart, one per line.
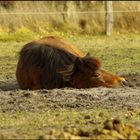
108 18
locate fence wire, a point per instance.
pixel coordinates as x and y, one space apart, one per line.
67 12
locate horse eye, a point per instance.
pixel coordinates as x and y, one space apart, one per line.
97 75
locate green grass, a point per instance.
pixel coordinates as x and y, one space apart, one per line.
32 125
119 53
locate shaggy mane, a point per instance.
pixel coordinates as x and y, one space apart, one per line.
49 61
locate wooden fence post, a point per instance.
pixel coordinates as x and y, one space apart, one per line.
108 18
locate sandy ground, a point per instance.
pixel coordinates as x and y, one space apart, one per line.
13 99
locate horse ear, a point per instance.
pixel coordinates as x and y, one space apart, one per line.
66 74
92 63
88 54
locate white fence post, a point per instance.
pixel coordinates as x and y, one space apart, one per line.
108 18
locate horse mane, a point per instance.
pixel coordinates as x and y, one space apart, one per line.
49 61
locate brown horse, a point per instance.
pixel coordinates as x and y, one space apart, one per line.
51 62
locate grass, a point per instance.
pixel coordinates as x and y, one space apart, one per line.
32 125
119 53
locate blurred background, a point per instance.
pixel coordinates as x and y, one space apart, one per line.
42 16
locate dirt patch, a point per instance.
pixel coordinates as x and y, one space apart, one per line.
133 80
10 85
43 100
13 99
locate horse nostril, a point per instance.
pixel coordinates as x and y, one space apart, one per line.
124 82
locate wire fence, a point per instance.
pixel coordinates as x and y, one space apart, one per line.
66 12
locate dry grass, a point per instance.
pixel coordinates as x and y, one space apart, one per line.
93 23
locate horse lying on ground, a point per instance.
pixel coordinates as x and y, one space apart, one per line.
51 62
